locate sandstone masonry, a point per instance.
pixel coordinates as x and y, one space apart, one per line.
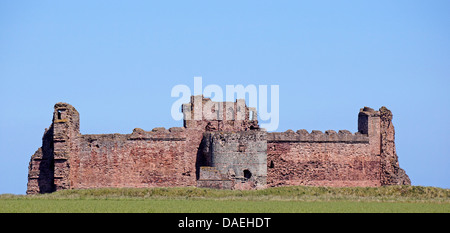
219 146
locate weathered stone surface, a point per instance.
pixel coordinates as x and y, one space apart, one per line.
321 164
391 173
238 156
219 146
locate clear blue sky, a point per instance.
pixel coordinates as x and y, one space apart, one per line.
116 62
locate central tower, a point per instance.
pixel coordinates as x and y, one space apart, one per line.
236 160
233 149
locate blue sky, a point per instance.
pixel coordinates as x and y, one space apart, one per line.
117 61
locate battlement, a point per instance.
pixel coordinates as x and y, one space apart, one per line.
159 134
316 136
105 137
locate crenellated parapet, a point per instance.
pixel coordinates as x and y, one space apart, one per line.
159 134
316 136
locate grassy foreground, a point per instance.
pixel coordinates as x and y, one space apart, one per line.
197 200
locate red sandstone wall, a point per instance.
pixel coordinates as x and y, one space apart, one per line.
391 173
330 159
142 159
171 157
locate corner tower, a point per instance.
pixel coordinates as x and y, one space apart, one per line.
369 124
380 130
66 128
48 170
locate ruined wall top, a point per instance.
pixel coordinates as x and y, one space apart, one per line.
206 115
156 134
201 108
343 136
64 111
66 120
369 112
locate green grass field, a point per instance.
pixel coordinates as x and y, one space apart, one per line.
297 199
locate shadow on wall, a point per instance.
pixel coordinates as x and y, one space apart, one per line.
46 166
202 155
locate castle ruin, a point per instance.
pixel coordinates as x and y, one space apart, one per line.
219 146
